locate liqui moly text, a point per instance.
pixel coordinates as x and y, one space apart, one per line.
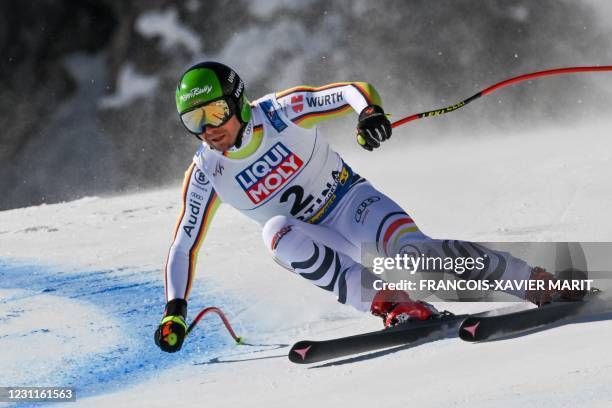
269 173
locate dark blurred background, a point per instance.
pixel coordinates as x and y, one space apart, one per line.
87 87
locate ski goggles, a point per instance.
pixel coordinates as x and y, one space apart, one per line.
215 114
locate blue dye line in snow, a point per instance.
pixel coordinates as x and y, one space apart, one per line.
134 303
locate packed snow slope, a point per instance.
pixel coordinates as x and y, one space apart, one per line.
81 290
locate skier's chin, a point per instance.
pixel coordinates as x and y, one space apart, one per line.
220 143
220 146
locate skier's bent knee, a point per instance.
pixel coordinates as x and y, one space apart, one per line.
273 229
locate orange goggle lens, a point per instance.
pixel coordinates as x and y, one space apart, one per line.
213 114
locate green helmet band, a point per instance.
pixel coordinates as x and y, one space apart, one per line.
245 112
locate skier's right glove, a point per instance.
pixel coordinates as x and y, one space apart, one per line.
172 330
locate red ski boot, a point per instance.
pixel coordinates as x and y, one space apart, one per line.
395 307
547 295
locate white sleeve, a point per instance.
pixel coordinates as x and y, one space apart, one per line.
306 105
199 204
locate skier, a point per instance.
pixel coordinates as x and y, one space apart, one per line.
268 160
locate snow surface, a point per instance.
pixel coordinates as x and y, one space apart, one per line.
81 290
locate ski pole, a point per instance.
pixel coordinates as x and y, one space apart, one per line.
493 88
219 312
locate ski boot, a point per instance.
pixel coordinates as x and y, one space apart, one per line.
396 307
548 295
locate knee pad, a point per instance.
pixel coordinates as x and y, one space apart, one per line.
274 229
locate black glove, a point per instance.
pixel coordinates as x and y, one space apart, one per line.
172 330
373 127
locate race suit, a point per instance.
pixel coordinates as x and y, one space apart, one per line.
315 210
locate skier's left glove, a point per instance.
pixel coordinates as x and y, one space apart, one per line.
373 127
172 330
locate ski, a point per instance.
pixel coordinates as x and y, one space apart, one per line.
491 327
308 351
482 326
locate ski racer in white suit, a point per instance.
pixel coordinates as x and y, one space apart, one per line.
269 161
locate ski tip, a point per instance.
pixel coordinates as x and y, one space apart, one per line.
468 330
300 352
